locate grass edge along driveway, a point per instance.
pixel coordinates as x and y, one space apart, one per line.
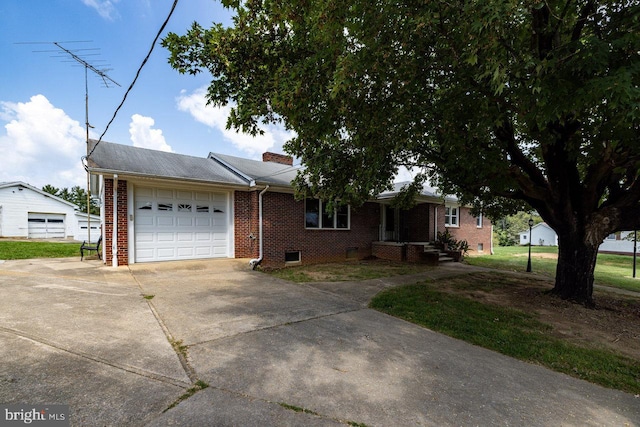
508 331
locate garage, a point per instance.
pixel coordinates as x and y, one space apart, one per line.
46 225
82 234
175 224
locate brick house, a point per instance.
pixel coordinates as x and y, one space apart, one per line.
159 206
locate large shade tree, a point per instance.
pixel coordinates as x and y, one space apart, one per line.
508 103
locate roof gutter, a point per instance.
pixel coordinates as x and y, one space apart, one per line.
113 172
256 261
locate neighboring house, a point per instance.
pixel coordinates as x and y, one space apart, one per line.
615 243
619 243
28 212
541 235
160 206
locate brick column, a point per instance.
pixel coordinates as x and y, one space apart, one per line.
246 224
122 226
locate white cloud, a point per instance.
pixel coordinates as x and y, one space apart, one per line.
216 117
106 8
144 136
41 144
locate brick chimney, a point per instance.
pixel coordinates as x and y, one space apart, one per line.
277 158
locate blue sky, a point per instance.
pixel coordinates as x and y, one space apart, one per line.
42 97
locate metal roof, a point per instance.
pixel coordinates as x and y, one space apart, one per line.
428 192
117 158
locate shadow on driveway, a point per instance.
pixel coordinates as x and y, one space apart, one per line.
84 335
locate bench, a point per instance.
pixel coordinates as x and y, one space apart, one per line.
89 247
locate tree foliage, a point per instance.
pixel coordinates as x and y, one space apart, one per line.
508 228
76 195
509 104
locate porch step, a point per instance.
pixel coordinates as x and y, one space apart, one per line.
442 256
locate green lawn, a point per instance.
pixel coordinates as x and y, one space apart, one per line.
26 249
611 270
508 331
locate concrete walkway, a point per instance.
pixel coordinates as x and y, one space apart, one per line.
122 345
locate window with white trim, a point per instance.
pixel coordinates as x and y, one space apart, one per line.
479 221
451 216
317 217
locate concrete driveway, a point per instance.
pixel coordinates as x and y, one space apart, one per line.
272 352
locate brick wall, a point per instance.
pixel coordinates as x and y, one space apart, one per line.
246 224
469 231
123 229
284 230
277 158
389 250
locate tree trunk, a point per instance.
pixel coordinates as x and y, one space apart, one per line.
574 272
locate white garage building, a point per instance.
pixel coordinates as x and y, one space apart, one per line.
28 212
541 235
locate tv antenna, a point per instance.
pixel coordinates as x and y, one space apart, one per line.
106 80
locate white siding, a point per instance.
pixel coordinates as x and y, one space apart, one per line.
541 235
18 201
622 245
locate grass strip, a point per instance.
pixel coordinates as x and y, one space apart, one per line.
297 408
507 331
26 250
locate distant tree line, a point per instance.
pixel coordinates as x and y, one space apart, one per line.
507 230
76 195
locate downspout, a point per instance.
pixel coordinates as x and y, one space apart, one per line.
114 232
256 261
435 223
492 238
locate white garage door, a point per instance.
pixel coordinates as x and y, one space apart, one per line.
83 227
175 224
46 225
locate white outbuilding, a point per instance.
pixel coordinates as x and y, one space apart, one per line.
28 212
541 235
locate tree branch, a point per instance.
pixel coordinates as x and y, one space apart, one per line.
625 198
588 9
505 134
562 15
